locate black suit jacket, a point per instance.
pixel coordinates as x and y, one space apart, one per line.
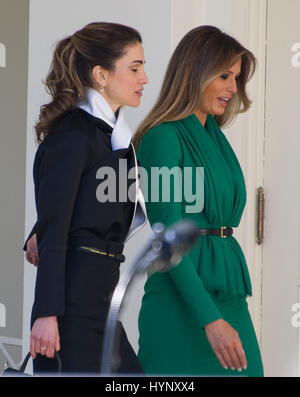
65 178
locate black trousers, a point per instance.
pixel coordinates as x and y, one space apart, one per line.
90 282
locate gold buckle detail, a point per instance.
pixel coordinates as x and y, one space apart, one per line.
222 228
95 251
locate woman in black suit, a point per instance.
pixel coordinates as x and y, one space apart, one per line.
83 219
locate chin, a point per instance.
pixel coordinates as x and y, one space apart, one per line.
134 104
219 112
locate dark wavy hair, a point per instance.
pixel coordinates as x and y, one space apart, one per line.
98 43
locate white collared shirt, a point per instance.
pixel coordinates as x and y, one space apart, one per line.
97 106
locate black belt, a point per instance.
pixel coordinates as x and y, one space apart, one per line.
97 251
223 232
106 248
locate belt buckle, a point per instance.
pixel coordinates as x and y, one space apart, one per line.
222 228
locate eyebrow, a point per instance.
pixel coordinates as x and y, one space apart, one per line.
139 61
230 72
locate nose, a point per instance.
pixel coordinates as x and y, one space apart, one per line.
233 86
144 79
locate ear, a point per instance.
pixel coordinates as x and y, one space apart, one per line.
100 75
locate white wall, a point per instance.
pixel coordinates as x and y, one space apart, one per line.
13 112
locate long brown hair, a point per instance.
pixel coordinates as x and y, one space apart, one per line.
98 43
201 56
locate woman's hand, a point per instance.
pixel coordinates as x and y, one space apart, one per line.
32 251
226 344
44 337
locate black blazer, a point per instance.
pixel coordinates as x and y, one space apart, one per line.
64 172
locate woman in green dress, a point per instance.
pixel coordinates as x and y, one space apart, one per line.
194 319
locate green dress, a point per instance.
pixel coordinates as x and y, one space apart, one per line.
212 281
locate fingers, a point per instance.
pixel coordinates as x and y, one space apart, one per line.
226 344
221 359
234 360
35 259
50 350
37 345
32 258
28 257
44 337
52 345
241 356
227 359
32 251
57 344
232 355
32 347
44 347
238 355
